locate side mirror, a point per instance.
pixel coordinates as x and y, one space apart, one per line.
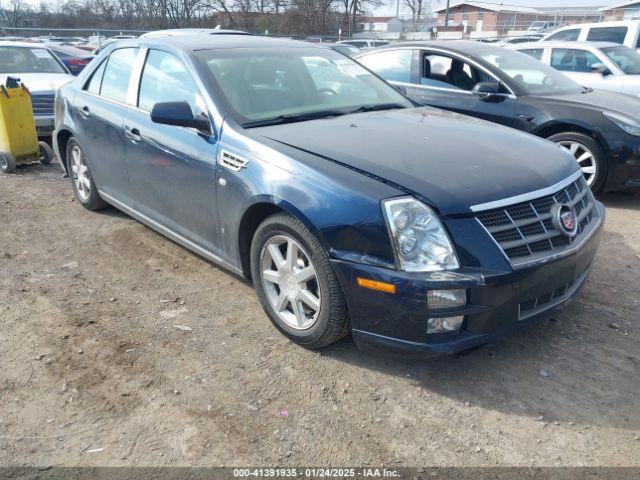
488 91
600 68
178 114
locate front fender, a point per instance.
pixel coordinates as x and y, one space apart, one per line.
341 207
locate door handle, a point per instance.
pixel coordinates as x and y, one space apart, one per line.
133 134
85 112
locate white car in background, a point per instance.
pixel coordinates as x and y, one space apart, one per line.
600 65
364 43
623 32
41 72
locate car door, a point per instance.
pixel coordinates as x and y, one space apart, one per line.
99 111
438 86
578 63
171 168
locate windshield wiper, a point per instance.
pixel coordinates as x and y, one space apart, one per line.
294 117
379 106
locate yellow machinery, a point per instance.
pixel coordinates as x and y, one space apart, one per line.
18 137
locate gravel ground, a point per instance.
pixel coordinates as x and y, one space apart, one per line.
94 372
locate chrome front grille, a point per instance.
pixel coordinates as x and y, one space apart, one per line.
42 104
525 231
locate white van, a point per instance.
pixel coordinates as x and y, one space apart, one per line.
624 32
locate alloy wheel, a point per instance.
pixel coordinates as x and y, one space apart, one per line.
585 158
80 173
290 282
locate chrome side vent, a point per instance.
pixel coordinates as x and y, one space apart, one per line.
232 162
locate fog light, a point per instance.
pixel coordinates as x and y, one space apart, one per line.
446 299
444 324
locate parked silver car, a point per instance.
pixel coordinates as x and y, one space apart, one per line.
600 65
42 73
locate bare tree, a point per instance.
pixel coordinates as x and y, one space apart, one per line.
14 14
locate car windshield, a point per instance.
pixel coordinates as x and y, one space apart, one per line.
28 60
531 76
627 59
294 84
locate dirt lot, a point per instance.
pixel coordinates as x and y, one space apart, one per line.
93 372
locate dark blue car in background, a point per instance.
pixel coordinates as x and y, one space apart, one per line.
349 209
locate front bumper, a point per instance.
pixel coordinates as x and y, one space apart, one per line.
497 301
623 167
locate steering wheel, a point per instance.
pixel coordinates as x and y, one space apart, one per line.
327 90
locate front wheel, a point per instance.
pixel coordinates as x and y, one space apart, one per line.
296 284
589 155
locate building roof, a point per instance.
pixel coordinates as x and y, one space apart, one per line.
496 7
378 19
620 5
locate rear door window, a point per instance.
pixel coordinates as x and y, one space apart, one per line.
565 35
115 81
573 60
96 80
607 34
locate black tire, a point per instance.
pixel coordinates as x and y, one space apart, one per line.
333 320
7 162
92 201
46 153
595 148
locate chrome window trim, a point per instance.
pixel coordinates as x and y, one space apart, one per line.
525 197
445 89
133 88
169 233
462 57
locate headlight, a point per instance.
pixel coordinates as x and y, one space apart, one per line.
628 124
420 241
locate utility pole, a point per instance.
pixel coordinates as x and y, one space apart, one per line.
446 16
397 8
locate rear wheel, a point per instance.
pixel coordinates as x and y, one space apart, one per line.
589 155
80 175
7 162
296 284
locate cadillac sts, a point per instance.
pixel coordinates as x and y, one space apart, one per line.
351 211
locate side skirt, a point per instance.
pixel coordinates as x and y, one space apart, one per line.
179 239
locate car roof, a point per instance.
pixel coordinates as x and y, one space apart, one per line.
571 44
9 43
172 32
453 46
222 41
614 23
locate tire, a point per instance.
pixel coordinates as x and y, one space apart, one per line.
7 162
83 186
310 328
46 153
580 144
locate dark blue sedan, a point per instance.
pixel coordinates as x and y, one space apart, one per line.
350 210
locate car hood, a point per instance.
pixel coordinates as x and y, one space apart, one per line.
600 100
450 160
37 82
